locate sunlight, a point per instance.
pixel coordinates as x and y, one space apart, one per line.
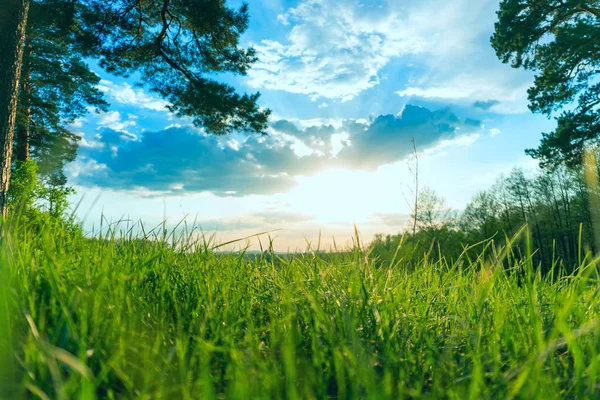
299 199
335 196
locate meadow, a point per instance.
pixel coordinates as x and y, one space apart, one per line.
493 298
171 317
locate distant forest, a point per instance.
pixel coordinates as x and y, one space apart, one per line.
555 208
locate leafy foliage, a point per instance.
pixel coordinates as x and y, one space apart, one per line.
24 185
177 48
555 205
558 40
30 199
57 87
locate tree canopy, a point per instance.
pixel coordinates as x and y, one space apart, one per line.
177 48
559 41
57 87
556 205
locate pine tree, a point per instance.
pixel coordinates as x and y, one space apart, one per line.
13 24
56 88
177 48
558 40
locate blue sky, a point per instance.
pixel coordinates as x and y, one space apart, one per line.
349 83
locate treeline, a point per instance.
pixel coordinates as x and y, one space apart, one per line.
556 206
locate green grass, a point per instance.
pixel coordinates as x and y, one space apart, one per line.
126 319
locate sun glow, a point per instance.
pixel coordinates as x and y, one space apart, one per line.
344 196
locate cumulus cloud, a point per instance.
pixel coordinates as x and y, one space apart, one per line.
360 144
508 90
179 160
333 49
387 139
185 160
339 49
124 93
114 121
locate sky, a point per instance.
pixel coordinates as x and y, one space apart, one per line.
349 84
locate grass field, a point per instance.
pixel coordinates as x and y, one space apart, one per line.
84 319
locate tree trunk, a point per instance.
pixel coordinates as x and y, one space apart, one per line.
13 24
24 119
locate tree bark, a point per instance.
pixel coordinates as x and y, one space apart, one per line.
24 110
13 24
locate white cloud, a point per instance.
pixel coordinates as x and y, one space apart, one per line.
241 166
78 123
86 167
495 131
233 144
338 142
173 126
334 49
95 144
339 49
112 120
299 148
507 91
463 68
125 94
